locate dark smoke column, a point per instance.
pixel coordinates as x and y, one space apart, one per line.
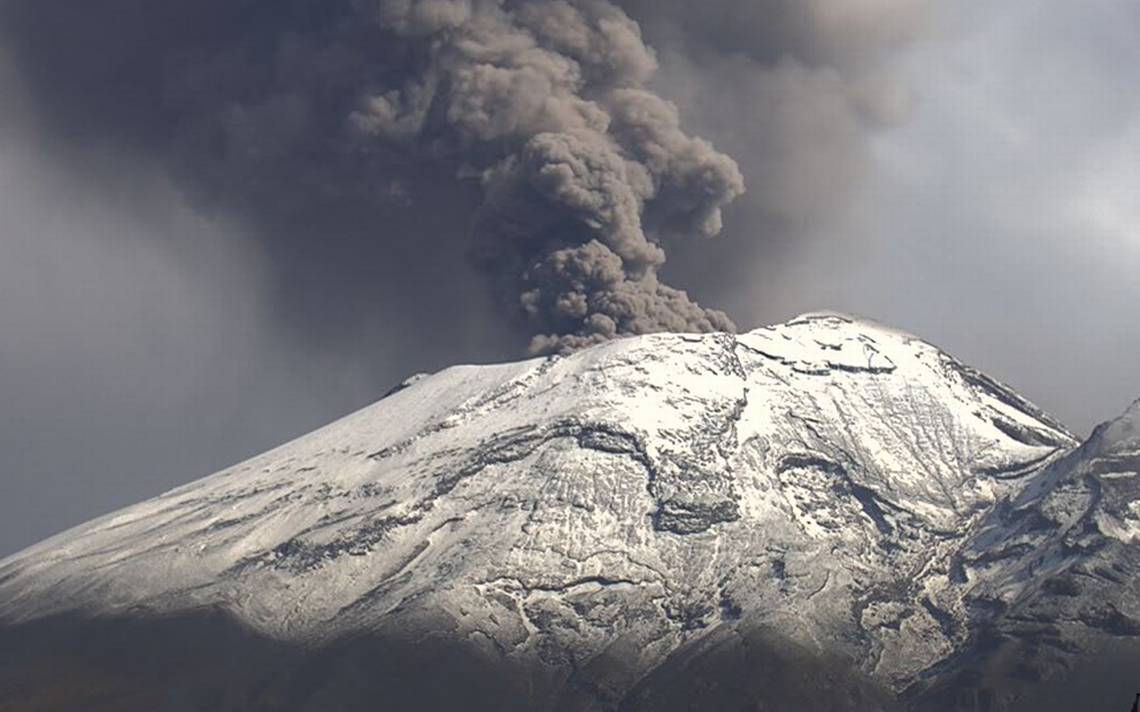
584 170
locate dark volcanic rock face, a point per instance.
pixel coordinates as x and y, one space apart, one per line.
824 514
753 668
209 661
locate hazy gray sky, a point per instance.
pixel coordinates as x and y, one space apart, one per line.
969 171
1003 220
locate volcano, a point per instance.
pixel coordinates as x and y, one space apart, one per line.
822 514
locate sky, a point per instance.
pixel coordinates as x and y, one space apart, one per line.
225 224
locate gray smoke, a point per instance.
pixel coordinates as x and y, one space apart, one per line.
537 127
584 171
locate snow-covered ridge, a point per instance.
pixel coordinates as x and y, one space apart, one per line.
1121 435
820 475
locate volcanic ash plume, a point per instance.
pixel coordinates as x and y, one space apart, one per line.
584 171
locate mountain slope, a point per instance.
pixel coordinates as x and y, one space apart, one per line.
1052 578
593 521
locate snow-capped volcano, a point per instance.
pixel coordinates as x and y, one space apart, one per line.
846 489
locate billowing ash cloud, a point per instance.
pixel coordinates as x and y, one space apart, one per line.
584 171
329 116
380 142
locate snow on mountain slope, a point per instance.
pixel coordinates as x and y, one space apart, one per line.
1051 579
1078 505
817 476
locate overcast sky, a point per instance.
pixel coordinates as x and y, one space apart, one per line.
968 171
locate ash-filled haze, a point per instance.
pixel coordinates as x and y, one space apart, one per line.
225 222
